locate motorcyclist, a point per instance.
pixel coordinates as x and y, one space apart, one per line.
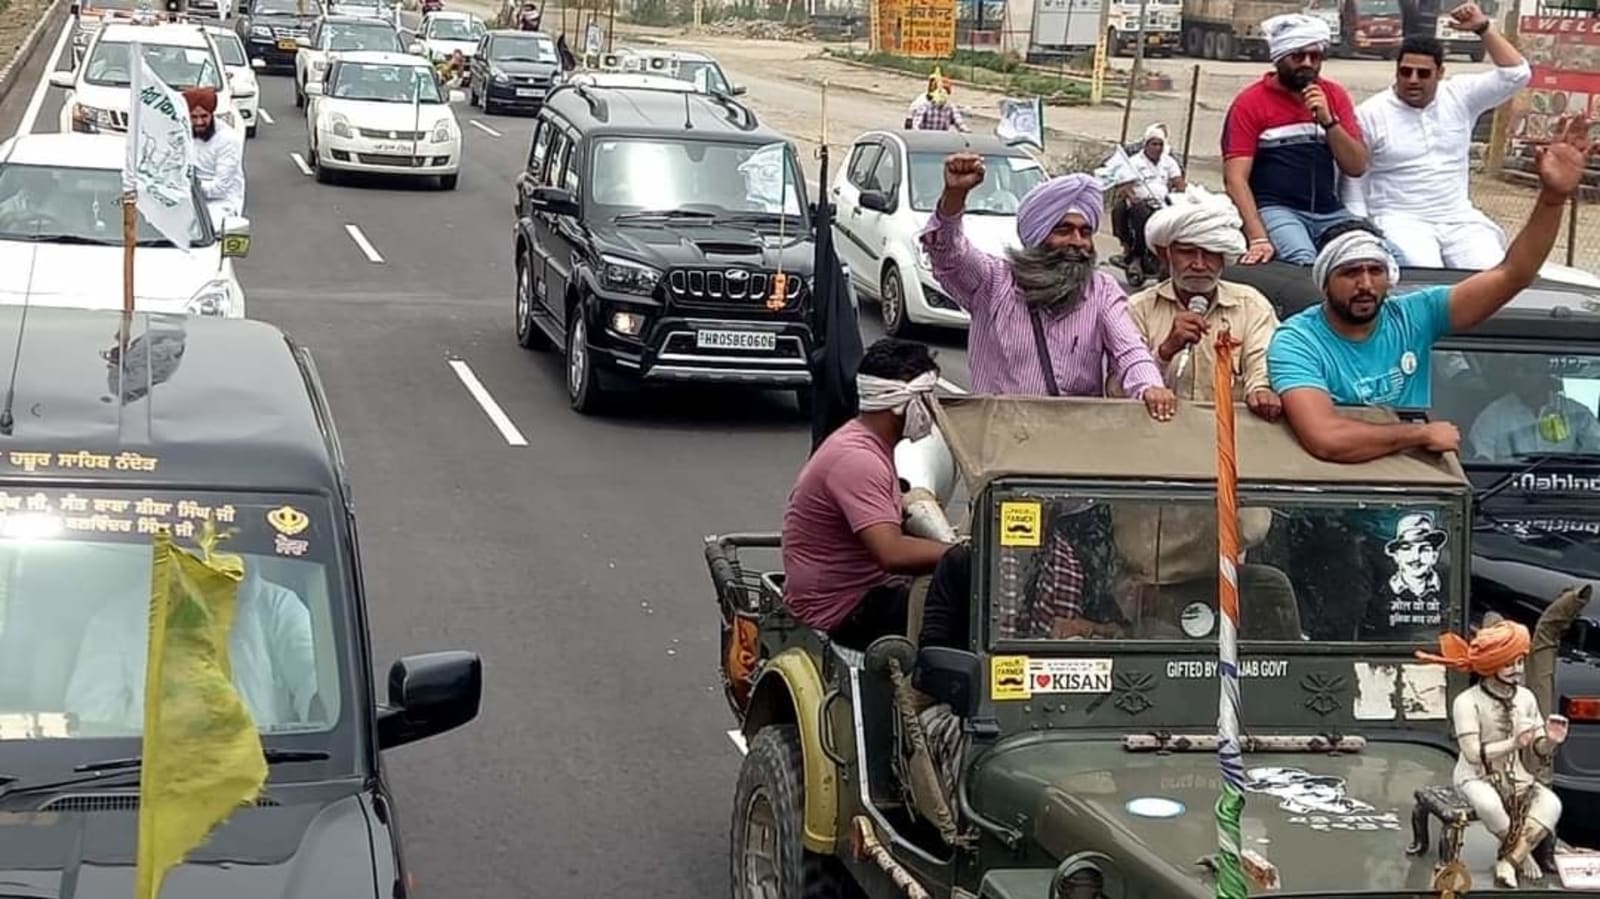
531 17
453 68
1154 175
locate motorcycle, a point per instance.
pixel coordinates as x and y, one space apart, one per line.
531 18
429 6
1138 262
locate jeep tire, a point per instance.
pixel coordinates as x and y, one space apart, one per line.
768 815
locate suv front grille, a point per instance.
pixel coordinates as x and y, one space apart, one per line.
736 288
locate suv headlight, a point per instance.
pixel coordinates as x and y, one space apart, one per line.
213 298
261 31
626 276
339 125
90 119
498 76
442 132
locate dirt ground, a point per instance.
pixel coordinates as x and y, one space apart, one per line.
16 20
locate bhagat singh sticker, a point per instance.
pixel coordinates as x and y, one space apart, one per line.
1416 592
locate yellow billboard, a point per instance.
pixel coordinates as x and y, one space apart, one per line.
919 28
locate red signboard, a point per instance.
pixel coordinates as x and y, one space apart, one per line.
1564 53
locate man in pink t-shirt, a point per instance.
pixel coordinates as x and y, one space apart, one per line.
846 559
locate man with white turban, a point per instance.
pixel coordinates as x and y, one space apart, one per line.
1156 174
1362 347
1045 319
847 561
1286 140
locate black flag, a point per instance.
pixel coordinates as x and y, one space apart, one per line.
836 335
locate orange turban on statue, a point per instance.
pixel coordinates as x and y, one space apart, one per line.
1492 648
201 98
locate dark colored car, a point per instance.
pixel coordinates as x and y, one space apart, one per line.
273 30
663 235
196 420
513 70
1537 522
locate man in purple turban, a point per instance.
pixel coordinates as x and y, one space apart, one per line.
1045 319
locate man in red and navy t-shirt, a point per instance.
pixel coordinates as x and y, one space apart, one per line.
1285 142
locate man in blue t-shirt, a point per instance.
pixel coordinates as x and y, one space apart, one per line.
1362 347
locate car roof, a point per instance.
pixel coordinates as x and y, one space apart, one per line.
383 57
222 403
917 141
1547 310
517 32
663 53
65 149
454 14
356 20
169 33
1091 438
633 79
648 110
217 31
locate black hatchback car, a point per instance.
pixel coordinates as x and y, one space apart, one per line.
663 235
1524 388
199 419
513 70
273 30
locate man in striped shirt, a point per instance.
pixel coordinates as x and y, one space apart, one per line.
1045 319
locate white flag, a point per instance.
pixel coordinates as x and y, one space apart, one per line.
159 168
1021 122
766 178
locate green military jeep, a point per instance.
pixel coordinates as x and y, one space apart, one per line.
1070 749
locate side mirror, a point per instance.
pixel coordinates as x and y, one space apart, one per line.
736 91
428 695
73 10
313 88
876 200
554 200
954 676
258 63
235 236
59 78
458 96
414 48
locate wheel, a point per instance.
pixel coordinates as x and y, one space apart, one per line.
299 96
1134 272
1194 42
1476 54
1225 46
583 388
768 860
805 401
448 182
250 131
528 334
892 303
1210 45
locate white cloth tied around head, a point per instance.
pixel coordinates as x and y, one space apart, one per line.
1198 218
880 394
1294 31
1353 246
1157 131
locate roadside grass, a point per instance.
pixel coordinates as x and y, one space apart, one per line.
987 70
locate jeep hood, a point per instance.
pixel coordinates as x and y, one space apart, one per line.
316 850
1343 833
674 243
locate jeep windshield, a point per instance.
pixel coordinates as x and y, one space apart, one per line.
1009 180
375 37
725 181
179 67
75 573
1514 406
62 204
1327 569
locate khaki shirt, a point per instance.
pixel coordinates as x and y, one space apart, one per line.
1246 312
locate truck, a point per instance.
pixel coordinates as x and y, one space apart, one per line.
1228 29
1431 17
1368 27
1161 27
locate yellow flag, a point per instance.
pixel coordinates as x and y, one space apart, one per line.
202 754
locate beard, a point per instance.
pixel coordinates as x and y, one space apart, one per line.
1202 285
208 132
1346 311
1297 80
1052 280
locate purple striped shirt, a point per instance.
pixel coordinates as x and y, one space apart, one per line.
1000 347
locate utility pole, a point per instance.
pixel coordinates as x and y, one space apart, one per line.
1102 53
1133 77
1500 125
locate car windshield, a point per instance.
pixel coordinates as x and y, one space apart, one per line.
705 76
1379 7
179 67
1511 405
59 204
112 4
232 50
1328 570
287 7
385 83
75 582
455 29
379 38
693 175
533 48
1009 180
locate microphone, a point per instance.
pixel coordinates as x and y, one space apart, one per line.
1197 305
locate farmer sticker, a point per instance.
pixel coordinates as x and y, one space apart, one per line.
1069 676
1008 677
1020 524
1415 590
1317 801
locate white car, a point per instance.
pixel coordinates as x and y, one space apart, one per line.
367 9
61 235
332 35
385 113
885 192
241 77
443 33
97 91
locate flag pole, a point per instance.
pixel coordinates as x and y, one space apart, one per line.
1230 755
130 239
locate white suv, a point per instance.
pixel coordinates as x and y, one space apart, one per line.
97 91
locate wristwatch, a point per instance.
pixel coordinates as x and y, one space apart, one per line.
1333 122
1483 29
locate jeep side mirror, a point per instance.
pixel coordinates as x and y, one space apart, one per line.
235 236
876 200
415 49
61 79
952 676
737 90
554 200
428 695
258 63
458 96
313 88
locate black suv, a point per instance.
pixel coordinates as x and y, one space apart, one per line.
273 30
1533 370
652 244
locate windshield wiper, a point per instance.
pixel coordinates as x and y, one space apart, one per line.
97 772
63 238
1535 462
662 214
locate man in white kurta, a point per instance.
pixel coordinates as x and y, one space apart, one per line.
218 156
1419 134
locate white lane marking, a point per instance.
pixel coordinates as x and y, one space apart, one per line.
952 387
486 402
366 246
300 163
738 740
36 102
265 116
484 128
